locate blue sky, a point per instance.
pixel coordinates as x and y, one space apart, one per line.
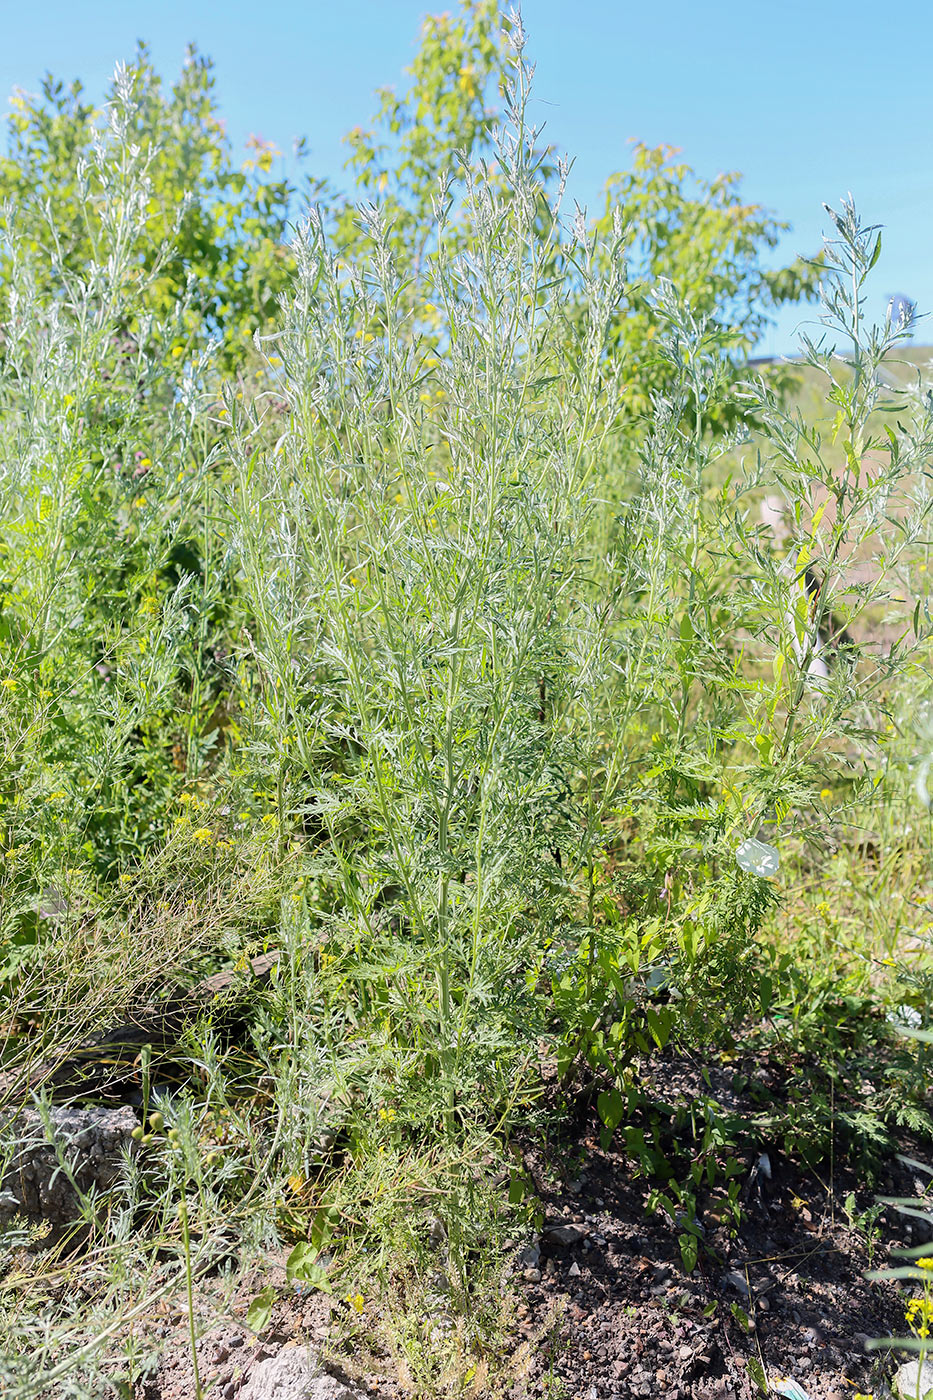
808 100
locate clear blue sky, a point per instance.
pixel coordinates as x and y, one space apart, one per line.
808 100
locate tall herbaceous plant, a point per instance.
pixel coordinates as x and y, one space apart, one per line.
413 547
103 466
440 649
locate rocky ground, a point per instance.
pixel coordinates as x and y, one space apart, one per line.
597 1300
785 1297
602 1305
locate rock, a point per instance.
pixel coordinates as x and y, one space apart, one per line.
529 1257
531 1275
574 1270
739 1282
294 1374
93 1141
914 1380
563 1234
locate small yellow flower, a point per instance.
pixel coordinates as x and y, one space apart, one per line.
356 1301
925 1263
387 1114
202 833
296 1182
8 682
177 351
825 794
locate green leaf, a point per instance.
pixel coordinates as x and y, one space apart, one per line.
322 1227
741 1317
611 1108
301 1267
757 1374
260 1310
689 1251
517 1188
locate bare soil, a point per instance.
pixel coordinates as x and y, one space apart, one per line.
602 1305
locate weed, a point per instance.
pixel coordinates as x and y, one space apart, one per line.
430 641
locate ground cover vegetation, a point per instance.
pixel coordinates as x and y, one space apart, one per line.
383 586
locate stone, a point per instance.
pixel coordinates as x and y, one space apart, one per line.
914 1380
93 1141
739 1282
294 1374
563 1234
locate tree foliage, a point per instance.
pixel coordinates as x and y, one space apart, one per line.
215 233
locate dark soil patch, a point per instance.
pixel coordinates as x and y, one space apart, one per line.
611 1311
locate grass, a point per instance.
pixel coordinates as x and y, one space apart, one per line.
408 653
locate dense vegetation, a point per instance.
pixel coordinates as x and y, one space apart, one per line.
388 590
